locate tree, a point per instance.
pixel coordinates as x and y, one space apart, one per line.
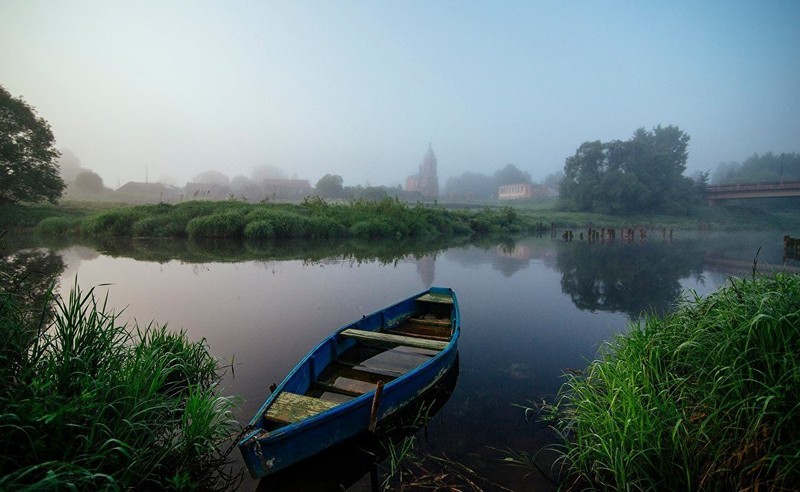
28 167
70 165
212 177
89 182
643 174
511 174
330 186
470 185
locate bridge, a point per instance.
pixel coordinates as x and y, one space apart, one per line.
716 193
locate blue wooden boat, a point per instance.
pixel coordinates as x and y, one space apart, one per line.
361 374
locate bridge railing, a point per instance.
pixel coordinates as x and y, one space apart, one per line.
753 186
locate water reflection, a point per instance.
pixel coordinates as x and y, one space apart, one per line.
229 250
631 278
29 274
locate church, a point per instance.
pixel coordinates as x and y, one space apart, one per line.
425 181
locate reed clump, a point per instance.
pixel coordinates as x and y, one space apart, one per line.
87 403
707 397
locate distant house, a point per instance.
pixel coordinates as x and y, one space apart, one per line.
292 189
523 191
518 191
133 191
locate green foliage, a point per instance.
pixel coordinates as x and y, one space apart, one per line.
764 168
28 168
89 182
224 224
468 185
114 223
641 175
511 174
374 227
58 226
315 218
705 397
330 186
86 403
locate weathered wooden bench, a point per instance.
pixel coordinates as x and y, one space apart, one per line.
290 407
389 339
437 298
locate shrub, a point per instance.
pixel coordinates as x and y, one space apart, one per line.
259 229
375 227
159 226
226 224
58 226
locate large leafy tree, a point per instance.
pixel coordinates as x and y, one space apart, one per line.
511 174
28 157
643 174
468 184
330 186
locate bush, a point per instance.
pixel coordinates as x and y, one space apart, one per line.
259 229
113 223
159 226
226 224
375 227
58 226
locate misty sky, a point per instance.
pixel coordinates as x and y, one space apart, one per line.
359 89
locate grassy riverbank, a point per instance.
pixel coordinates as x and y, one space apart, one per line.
387 218
87 403
704 398
313 219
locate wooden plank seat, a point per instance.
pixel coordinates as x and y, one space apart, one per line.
389 339
410 332
291 407
437 298
432 322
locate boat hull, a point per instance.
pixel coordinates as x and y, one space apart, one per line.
268 451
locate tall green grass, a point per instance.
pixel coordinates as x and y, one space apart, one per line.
707 397
88 403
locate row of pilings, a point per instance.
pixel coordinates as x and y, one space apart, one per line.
594 234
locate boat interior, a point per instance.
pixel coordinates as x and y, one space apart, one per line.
378 348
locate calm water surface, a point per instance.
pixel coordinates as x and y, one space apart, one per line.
531 309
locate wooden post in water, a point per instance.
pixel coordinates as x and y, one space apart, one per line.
376 401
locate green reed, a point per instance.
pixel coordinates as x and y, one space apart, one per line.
87 403
707 397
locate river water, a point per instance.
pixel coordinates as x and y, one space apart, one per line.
531 309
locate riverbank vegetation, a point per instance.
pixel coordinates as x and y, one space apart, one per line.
703 398
314 218
89 403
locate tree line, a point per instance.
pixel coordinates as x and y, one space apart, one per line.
764 168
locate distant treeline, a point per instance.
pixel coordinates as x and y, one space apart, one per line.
314 218
766 168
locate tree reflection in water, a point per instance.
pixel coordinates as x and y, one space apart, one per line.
631 278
